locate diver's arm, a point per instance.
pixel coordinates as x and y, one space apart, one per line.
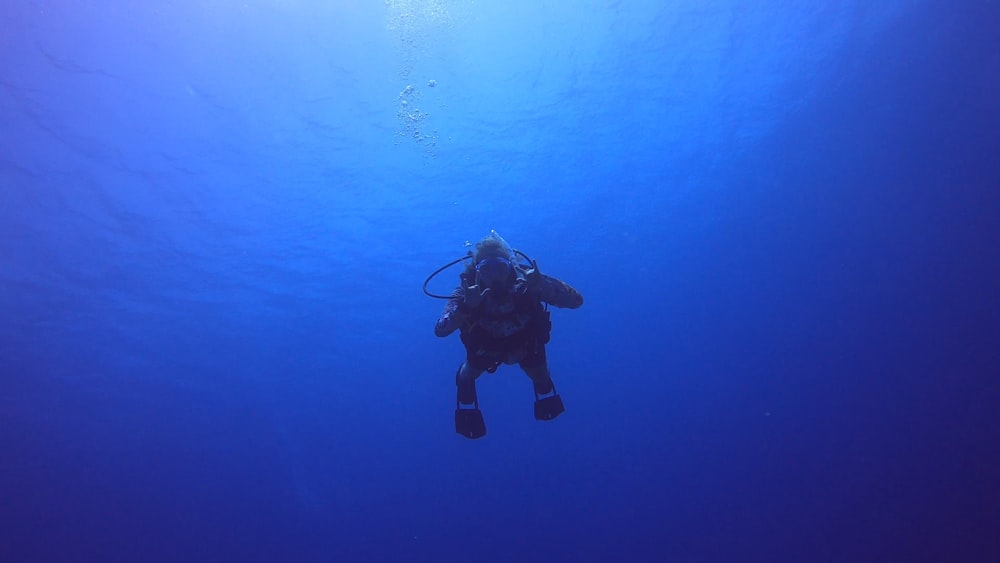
452 317
558 293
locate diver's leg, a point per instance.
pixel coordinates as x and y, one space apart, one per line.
536 366
548 403
465 379
468 418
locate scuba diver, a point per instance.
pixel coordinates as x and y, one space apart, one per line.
501 311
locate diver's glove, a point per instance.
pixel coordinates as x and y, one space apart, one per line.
473 296
533 277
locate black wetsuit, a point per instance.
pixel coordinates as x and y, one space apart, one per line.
509 326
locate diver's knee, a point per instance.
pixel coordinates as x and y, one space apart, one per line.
467 374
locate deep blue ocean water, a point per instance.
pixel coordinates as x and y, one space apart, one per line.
216 217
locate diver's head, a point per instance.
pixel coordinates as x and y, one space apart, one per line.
493 262
494 272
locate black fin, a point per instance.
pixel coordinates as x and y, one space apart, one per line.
549 407
470 423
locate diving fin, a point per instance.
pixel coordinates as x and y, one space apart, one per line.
549 407
470 423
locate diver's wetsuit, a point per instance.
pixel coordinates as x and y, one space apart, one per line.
508 327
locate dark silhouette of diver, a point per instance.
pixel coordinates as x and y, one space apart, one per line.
500 309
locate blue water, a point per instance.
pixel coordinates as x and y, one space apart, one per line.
216 217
